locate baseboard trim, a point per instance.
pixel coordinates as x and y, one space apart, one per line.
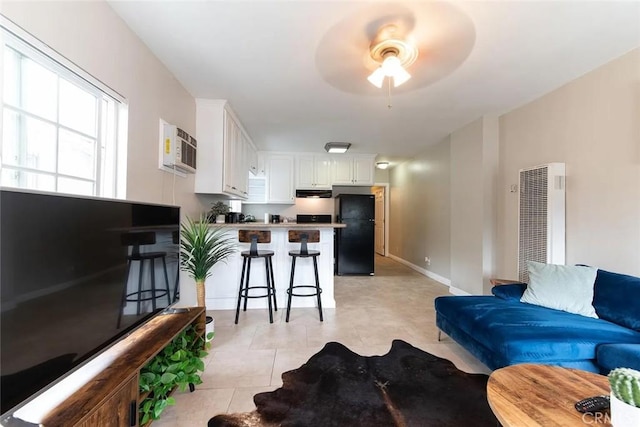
457 291
422 271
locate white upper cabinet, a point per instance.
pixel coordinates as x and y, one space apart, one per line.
253 159
313 172
363 170
279 176
224 150
353 170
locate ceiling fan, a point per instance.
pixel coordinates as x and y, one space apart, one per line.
386 40
394 54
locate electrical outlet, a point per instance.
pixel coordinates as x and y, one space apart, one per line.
427 260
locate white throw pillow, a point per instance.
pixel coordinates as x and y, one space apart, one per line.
561 287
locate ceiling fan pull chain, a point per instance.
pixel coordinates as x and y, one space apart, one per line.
389 94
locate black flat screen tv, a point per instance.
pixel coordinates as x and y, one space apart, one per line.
66 292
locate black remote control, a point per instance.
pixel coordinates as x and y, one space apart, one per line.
593 404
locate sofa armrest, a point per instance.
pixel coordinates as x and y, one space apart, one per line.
612 356
509 292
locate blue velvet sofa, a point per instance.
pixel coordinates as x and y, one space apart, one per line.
500 330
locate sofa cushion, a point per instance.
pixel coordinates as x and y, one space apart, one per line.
561 287
512 291
519 333
617 298
612 356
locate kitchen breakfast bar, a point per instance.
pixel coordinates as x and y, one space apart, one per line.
222 286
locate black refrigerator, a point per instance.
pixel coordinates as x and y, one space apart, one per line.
354 244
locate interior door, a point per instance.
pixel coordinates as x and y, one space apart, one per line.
379 224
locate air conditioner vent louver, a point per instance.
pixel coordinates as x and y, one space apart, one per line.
541 213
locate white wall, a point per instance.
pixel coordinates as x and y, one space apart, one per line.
92 36
593 125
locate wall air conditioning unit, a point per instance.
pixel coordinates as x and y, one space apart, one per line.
541 216
179 149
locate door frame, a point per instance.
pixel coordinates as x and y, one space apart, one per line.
386 186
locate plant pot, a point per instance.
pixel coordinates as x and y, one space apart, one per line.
221 219
209 326
623 414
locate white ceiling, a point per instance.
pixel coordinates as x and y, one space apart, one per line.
294 71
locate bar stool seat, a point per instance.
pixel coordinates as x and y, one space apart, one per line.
304 237
135 240
244 291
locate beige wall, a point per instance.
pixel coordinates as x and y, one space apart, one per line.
474 168
593 125
466 208
92 36
420 210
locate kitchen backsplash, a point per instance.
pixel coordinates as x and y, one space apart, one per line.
302 206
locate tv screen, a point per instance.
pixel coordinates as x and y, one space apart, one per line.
66 288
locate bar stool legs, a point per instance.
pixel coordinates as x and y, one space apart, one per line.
244 288
316 287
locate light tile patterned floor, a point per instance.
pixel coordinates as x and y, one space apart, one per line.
249 358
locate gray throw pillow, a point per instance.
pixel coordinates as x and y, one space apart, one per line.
561 287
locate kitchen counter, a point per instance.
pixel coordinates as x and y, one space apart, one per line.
285 225
222 286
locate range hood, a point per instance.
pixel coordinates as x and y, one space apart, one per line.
314 194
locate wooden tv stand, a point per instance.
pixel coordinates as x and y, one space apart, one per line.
111 398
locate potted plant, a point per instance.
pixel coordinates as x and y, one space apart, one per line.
202 247
218 212
178 365
625 397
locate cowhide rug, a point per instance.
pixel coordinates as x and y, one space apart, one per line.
337 387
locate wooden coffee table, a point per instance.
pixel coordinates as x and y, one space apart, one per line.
529 395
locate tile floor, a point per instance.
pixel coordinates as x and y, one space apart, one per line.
250 357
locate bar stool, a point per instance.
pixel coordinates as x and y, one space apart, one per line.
304 237
135 240
255 237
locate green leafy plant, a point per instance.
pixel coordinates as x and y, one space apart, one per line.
218 208
202 247
625 385
176 366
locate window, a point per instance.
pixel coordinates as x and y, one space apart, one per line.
62 130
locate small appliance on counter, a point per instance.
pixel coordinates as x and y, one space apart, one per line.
275 219
234 218
235 214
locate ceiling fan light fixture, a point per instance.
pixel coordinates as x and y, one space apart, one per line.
393 54
401 75
377 77
337 147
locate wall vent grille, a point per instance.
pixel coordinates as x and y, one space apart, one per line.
541 216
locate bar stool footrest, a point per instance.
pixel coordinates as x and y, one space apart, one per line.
290 291
245 292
